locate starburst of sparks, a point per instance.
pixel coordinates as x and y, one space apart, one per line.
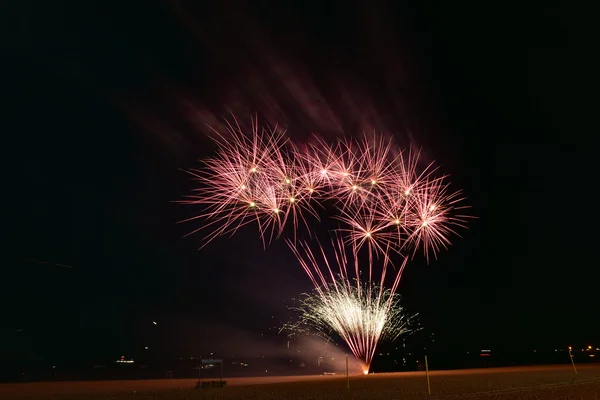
349 301
351 312
381 198
386 203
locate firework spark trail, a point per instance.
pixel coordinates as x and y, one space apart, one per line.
333 279
348 311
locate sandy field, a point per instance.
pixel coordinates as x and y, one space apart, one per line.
527 383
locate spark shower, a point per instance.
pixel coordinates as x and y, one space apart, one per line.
387 207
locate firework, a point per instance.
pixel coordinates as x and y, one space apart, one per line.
353 314
381 199
388 206
348 300
247 181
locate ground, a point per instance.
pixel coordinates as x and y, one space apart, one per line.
526 383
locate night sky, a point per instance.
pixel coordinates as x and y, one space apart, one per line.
103 106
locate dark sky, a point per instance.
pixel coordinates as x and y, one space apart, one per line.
103 105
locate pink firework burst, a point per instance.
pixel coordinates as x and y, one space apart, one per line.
381 198
238 185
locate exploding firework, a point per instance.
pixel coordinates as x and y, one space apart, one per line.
351 312
245 182
348 301
388 206
381 199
